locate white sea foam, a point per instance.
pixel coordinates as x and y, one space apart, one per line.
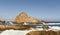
13 32
16 32
55 28
23 32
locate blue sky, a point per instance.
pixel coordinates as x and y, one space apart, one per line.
41 9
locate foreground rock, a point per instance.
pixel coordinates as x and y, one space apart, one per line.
44 33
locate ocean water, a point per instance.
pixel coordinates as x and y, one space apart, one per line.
23 32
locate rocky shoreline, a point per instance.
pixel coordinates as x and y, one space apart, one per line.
44 33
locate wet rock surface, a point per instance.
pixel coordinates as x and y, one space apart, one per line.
44 33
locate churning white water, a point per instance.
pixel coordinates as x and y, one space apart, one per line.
16 32
23 32
13 32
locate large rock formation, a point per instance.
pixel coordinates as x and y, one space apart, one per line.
24 18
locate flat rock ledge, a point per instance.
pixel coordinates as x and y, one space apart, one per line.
44 33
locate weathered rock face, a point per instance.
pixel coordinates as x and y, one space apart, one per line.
44 33
24 18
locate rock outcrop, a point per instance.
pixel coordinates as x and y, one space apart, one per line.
24 18
44 33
